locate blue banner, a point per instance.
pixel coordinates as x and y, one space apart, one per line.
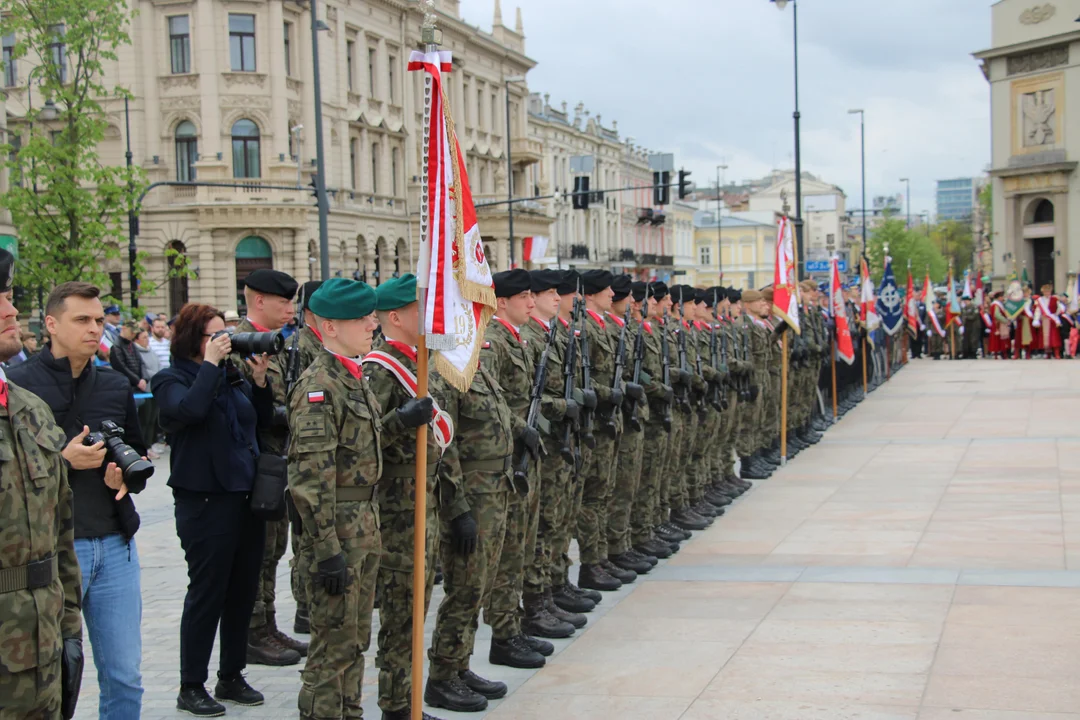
890 306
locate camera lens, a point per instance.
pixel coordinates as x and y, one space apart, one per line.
257 343
135 469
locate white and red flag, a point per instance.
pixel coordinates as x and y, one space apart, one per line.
785 281
534 248
868 312
911 305
844 347
452 264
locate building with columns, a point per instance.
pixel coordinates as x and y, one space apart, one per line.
1033 67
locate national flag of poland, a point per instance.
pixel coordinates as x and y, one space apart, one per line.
452 264
844 347
868 314
105 344
534 248
785 281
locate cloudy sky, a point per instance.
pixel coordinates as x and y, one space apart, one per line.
712 82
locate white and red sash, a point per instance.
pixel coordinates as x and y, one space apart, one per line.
1042 310
442 426
932 316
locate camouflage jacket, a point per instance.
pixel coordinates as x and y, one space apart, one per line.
601 358
271 439
653 365
38 523
553 401
647 378
337 436
509 360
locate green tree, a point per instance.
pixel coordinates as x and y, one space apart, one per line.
68 207
904 245
955 241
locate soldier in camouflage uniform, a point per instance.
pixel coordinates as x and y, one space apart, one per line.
712 487
386 372
269 296
703 501
727 313
40 583
335 460
754 343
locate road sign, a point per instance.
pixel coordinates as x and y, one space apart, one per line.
822 266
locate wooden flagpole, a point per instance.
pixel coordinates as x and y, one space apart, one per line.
834 376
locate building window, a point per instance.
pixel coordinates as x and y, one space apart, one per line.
494 112
11 74
180 44
187 151
352 163
350 47
375 168
58 51
371 71
242 42
245 149
288 48
393 171
465 94
390 73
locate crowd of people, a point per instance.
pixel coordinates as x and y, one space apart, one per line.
619 414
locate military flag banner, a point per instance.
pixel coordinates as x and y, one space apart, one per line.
785 281
534 248
952 303
978 297
890 306
1015 302
868 311
844 347
911 305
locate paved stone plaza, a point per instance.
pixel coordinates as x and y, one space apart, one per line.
923 561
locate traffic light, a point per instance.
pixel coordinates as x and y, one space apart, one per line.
684 185
314 185
661 191
581 192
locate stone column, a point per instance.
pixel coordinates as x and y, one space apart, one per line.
1064 263
1011 236
151 112
221 281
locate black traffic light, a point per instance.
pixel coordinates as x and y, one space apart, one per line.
661 191
581 192
314 185
684 184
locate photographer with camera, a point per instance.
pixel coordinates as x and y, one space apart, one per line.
95 408
211 413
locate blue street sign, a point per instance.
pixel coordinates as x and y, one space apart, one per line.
822 266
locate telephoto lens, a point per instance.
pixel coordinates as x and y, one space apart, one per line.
131 464
255 343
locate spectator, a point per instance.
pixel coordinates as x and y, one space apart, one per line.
210 413
112 323
148 413
82 396
232 319
124 358
159 342
29 347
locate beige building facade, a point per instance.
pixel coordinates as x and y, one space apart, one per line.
748 250
1033 67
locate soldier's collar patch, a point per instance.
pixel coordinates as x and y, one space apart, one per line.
486 345
316 397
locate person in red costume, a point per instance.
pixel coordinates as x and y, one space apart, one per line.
1047 320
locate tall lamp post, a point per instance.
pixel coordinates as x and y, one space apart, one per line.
719 231
47 113
908 196
320 165
862 163
133 219
510 165
780 5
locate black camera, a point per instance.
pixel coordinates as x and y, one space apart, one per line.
254 343
130 462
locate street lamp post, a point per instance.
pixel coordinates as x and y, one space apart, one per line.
320 165
719 231
862 162
510 166
908 195
47 113
133 219
780 5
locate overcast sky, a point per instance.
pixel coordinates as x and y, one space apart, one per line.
712 82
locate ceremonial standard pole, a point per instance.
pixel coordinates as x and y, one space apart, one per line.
952 326
888 337
834 418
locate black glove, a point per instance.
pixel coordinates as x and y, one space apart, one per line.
415 412
71 669
684 377
530 438
463 531
590 399
635 391
616 397
334 575
573 410
669 393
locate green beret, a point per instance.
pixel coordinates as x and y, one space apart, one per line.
343 299
396 292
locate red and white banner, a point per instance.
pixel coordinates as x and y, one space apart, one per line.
534 248
868 312
911 306
452 264
844 347
785 281
442 425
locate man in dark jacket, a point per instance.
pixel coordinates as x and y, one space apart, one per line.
124 357
82 397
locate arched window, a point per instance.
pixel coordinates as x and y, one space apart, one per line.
178 284
252 253
1044 212
187 151
245 149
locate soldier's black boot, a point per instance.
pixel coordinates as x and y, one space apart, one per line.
655 547
194 700
405 714
621 574
491 689
539 622
571 601
585 592
749 470
647 557
235 689
672 529
536 644
455 695
595 577
626 562
576 619
717 497
512 653
666 535
264 649
686 519
301 621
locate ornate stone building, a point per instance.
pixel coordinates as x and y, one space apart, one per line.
1032 68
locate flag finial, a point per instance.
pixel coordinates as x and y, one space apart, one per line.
429 34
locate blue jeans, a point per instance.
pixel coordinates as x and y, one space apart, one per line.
112 612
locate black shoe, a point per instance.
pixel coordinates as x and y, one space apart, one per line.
301 622
654 547
679 533
571 601
751 471
596 577
576 619
621 574
585 592
264 649
708 510
196 701
690 521
491 689
718 498
405 714
647 557
438 576
627 562
540 623
512 653
453 694
236 690
541 646
666 535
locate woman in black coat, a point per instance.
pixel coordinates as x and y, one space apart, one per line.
210 413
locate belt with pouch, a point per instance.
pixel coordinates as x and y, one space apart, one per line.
30 576
353 493
496 465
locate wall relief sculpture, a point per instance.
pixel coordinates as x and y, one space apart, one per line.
1038 60
1038 112
1035 15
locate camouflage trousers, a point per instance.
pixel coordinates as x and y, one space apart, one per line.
32 694
654 453
662 509
465 579
565 532
556 499
702 467
395 587
772 410
681 471
750 420
592 516
277 537
624 489
341 624
729 433
502 603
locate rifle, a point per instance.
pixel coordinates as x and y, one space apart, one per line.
666 363
697 369
586 377
292 364
719 388
521 472
570 451
639 359
684 394
617 382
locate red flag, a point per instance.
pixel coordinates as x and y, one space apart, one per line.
785 285
911 306
844 347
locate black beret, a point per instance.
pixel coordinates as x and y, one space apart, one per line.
543 280
683 293
711 296
511 282
569 283
637 289
622 285
594 281
658 289
699 295
309 289
7 270
272 282
734 295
